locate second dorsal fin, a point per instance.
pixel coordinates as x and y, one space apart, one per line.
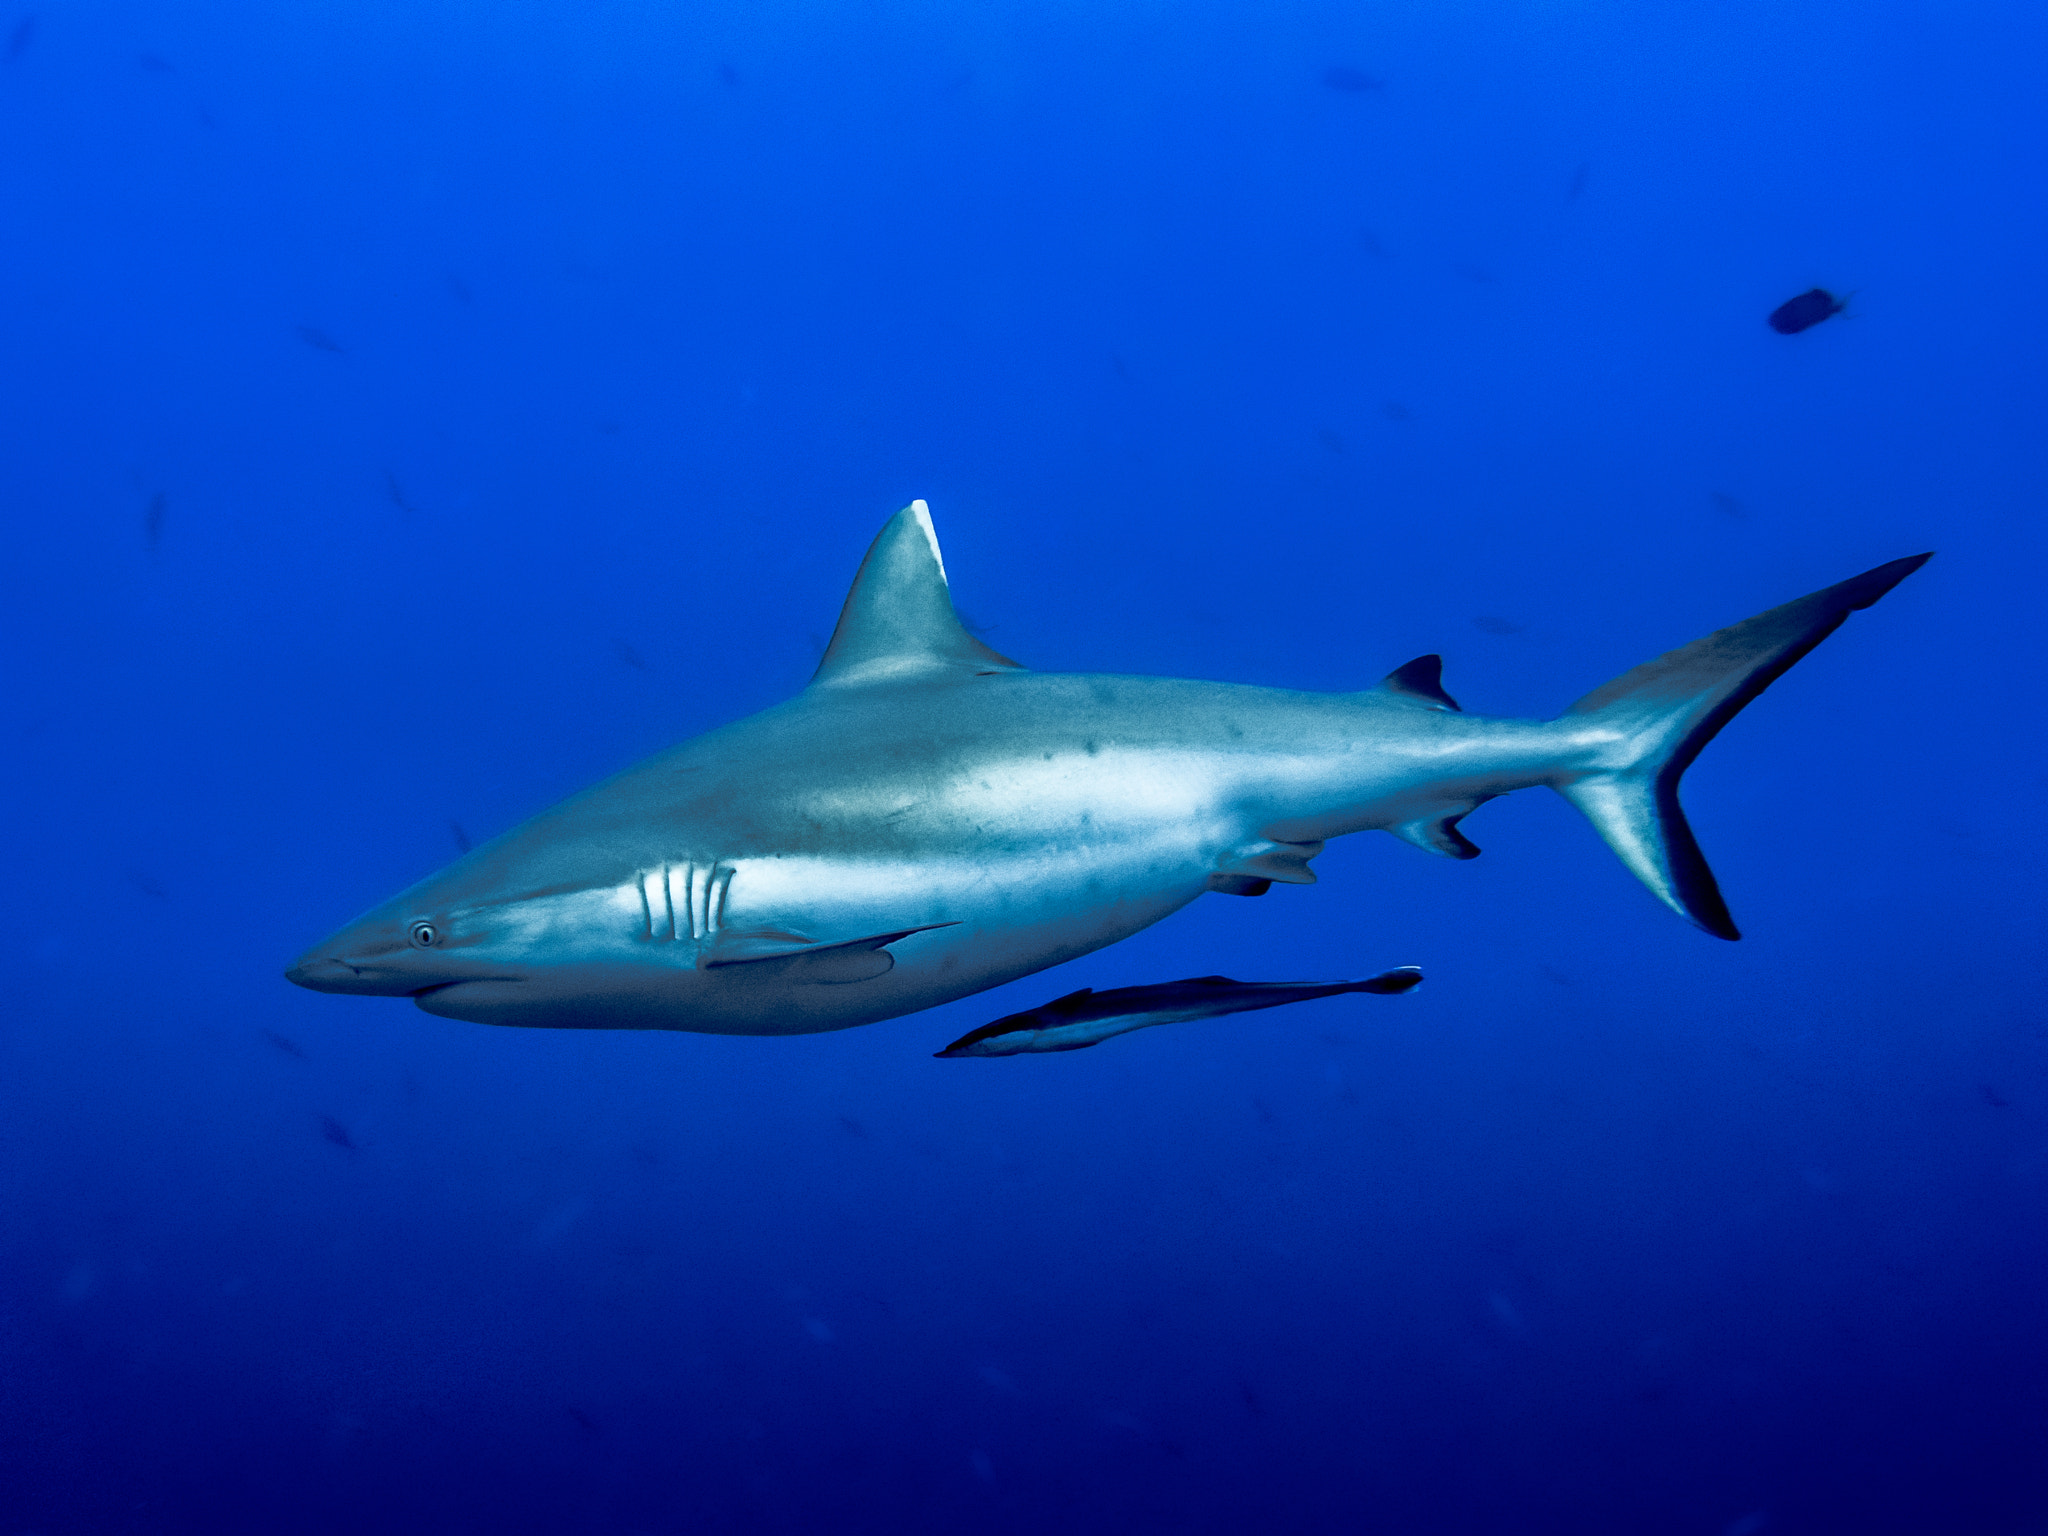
1422 679
899 619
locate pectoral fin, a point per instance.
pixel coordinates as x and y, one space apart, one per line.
786 959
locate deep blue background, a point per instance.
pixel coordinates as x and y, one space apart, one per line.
416 412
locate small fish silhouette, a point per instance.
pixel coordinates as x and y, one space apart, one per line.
1804 312
337 1133
286 1044
318 339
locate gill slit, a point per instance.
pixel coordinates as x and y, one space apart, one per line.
684 901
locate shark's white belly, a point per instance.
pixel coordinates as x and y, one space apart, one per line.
690 942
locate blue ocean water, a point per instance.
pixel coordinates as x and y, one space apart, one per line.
416 413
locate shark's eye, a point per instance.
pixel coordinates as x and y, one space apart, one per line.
424 935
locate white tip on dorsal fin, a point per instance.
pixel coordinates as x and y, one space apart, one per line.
899 620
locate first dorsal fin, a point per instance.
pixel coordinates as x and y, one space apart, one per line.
898 620
1421 679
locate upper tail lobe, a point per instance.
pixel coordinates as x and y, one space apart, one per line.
1639 733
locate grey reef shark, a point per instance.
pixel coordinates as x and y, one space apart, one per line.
928 819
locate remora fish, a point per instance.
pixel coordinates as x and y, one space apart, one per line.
1088 1017
928 819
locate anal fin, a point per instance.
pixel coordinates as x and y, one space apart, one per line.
1439 835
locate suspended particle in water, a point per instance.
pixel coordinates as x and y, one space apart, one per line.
1351 81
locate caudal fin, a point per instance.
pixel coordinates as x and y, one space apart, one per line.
1642 731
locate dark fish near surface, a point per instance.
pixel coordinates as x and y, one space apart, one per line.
1804 312
1088 1017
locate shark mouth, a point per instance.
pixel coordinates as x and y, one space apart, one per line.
440 987
475 999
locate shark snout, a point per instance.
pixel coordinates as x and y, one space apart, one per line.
320 971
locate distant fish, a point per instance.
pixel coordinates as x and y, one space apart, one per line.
1342 77
628 655
20 38
1088 1017
393 491
460 837
318 339
286 1044
337 1133
1804 312
1577 186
